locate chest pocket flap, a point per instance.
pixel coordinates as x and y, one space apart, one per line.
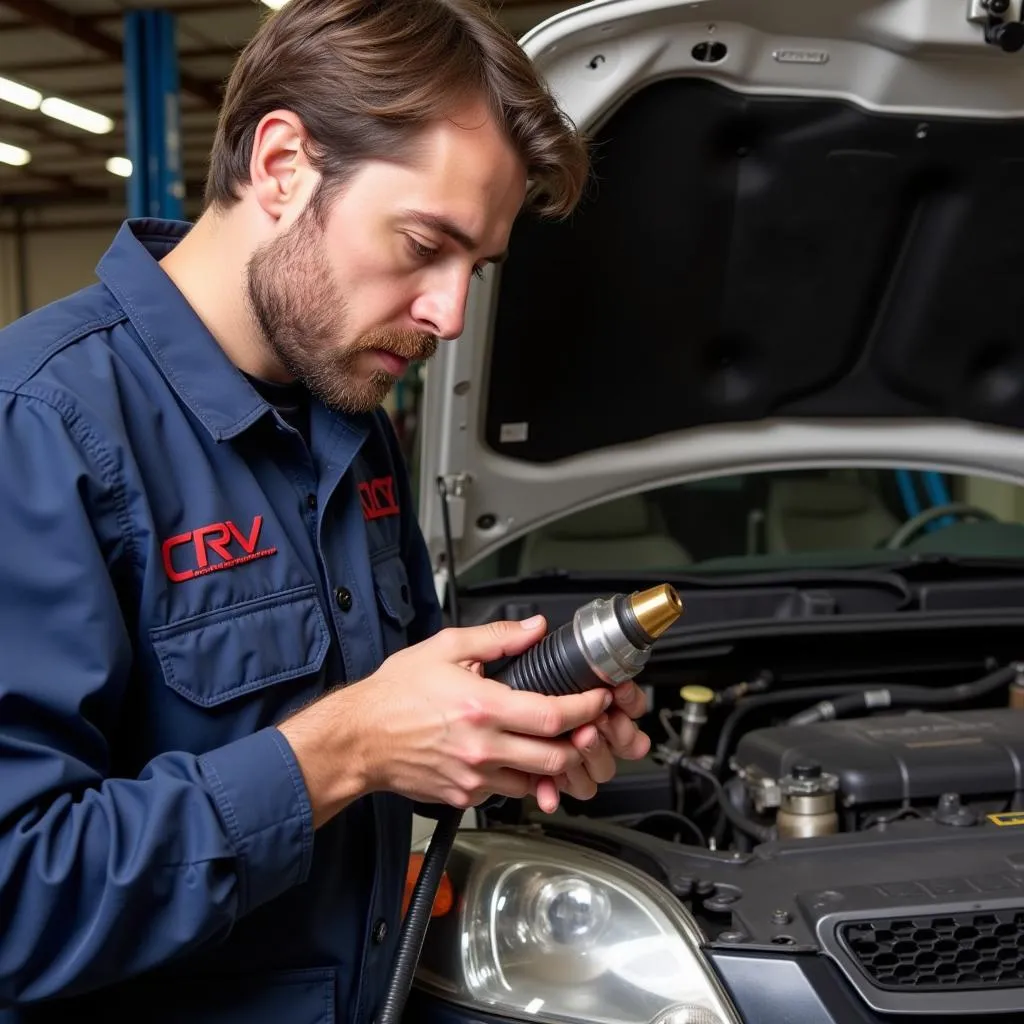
394 595
219 655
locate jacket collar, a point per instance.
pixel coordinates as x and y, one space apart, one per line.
188 355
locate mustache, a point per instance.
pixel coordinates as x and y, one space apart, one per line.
416 346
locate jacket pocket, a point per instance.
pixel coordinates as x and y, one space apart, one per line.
394 599
217 656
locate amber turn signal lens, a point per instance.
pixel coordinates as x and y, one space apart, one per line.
442 901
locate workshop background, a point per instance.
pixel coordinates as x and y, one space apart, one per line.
107 110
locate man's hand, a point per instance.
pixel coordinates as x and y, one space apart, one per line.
427 724
614 735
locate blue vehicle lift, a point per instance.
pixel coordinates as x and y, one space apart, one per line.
935 489
152 96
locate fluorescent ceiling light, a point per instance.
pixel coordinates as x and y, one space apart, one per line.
80 117
275 5
14 155
120 165
20 95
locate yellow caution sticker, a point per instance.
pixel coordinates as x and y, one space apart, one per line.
1007 818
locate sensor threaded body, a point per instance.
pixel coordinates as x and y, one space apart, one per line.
556 666
607 642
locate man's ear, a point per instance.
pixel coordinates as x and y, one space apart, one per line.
280 174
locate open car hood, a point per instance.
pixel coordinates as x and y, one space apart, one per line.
803 245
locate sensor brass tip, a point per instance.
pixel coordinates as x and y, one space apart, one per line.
656 609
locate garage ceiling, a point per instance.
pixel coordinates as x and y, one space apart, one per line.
70 50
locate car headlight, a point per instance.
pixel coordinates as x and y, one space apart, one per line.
562 934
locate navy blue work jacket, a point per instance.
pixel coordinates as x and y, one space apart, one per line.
180 571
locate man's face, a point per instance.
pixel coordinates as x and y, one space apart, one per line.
347 301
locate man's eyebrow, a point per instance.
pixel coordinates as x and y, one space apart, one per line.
443 225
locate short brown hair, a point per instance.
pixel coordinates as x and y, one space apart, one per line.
364 76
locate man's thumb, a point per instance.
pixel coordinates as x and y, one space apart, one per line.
493 640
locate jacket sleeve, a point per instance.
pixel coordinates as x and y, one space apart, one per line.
103 877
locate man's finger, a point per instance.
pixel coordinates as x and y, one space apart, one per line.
547 795
618 729
535 714
578 783
598 759
510 783
625 739
630 698
535 756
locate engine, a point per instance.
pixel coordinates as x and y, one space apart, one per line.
754 764
955 767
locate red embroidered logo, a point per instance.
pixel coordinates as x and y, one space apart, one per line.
378 498
217 538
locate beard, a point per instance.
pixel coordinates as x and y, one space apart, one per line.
302 318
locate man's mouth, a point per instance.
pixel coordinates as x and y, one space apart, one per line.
395 365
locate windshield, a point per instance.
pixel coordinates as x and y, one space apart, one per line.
774 520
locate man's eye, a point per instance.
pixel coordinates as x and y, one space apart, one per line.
424 252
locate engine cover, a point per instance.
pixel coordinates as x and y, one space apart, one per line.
892 758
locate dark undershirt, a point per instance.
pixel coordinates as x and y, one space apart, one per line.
290 400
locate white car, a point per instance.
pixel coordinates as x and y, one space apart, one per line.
776 359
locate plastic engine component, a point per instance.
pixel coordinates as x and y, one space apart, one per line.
887 759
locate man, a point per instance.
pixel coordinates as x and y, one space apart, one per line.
223 686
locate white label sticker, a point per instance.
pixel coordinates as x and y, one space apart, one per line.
512 432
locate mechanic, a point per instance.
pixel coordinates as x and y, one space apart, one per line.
225 685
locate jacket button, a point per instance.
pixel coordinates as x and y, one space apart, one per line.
343 597
380 931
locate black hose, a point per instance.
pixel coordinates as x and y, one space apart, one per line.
767 700
417 918
869 697
826 710
761 833
637 822
895 696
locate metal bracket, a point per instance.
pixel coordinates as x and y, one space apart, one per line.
1001 22
455 500
765 792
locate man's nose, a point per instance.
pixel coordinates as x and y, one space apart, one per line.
441 309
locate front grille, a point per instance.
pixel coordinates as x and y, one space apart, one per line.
921 954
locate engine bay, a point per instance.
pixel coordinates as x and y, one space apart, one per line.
860 759
882 824
752 763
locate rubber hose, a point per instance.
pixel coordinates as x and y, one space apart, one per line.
827 710
761 833
900 696
960 692
417 918
767 700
